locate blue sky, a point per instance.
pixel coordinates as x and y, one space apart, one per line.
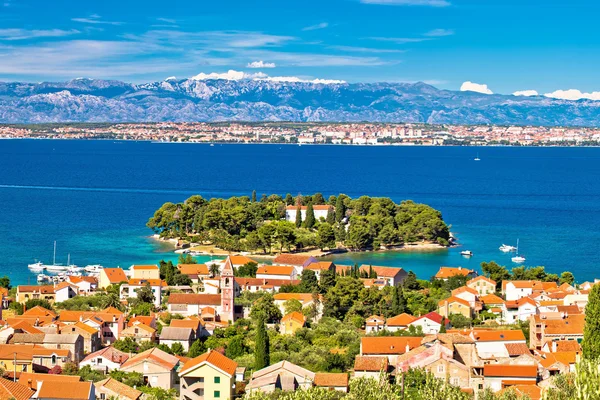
509 45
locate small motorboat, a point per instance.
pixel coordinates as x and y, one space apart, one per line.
91 269
507 249
38 266
466 253
41 278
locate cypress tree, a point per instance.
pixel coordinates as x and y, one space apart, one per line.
443 327
298 216
254 196
330 217
261 349
591 331
310 216
289 200
398 301
340 209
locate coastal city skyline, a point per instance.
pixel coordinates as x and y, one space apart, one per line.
447 43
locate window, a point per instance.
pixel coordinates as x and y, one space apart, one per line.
440 369
154 380
201 379
480 386
53 359
455 381
217 394
99 360
217 379
102 396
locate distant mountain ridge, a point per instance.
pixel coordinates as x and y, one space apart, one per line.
94 100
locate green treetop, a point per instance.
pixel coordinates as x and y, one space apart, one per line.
591 332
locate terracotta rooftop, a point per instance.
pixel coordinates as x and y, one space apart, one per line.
58 390
491 299
45 289
481 278
301 297
110 353
115 275
510 370
146 320
13 390
400 320
448 272
331 380
143 282
40 312
275 270
193 269
517 349
120 389
155 356
388 344
370 364
213 358
293 259
144 267
453 299
241 260
294 316
498 335
30 380
193 298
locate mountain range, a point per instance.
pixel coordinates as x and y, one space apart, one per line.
212 100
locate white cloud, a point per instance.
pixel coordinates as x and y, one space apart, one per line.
526 93
400 40
167 20
475 87
440 33
322 25
430 3
171 78
23 34
573 94
260 64
95 19
232 75
365 49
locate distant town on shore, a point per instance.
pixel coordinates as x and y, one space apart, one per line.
361 133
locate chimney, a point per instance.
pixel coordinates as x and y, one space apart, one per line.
554 346
407 348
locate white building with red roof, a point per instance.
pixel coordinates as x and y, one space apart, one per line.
430 323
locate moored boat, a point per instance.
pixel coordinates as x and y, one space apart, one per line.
467 253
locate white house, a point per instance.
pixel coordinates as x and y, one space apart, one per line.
276 272
520 310
496 375
85 284
374 324
188 304
431 323
64 291
105 360
320 211
492 344
130 289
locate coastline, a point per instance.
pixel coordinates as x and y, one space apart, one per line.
210 250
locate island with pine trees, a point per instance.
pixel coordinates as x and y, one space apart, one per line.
303 223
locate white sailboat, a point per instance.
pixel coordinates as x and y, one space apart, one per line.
518 258
37 266
93 269
477 158
54 267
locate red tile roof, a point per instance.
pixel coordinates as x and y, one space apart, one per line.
115 275
58 390
13 390
371 364
510 370
331 380
388 344
400 320
448 272
292 259
213 358
193 298
275 270
517 349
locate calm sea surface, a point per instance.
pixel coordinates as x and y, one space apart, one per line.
94 197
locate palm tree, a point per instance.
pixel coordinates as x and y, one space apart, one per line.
214 270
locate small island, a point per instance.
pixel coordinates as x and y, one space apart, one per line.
274 224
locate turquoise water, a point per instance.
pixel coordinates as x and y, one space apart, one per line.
94 197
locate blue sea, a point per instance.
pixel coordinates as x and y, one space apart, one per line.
94 197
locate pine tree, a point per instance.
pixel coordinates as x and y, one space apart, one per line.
298 216
309 222
330 217
289 200
261 349
340 209
443 327
591 332
254 196
196 349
